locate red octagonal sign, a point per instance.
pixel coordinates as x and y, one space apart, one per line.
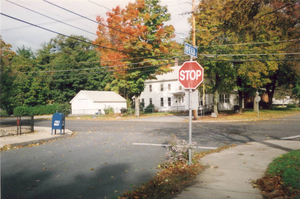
190 75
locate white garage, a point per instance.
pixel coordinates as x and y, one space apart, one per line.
94 102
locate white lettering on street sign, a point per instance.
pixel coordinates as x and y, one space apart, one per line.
190 50
190 74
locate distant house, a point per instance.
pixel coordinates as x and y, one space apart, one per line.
94 102
166 94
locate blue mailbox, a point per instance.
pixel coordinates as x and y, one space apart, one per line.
58 122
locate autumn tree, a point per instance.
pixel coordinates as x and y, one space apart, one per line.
271 29
135 42
219 72
7 76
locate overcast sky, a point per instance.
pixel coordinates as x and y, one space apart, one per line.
18 34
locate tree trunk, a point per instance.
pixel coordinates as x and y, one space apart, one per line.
137 106
216 96
271 89
239 84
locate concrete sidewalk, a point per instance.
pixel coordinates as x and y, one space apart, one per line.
230 172
40 134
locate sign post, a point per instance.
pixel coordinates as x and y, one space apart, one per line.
190 77
257 99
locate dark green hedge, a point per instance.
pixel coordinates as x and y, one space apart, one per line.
37 110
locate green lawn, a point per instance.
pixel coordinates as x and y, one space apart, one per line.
282 177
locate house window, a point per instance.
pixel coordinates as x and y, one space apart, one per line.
169 87
169 101
150 100
224 98
143 101
161 87
179 99
150 88
180 88
161 101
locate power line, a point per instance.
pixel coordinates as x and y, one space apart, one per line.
46 23
253 43
231 55
50 17
102 67
88 18
71 37
99 5
111 71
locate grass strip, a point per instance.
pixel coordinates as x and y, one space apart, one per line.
282 177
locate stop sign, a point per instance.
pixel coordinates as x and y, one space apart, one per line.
190 74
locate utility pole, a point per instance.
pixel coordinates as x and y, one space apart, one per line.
194 42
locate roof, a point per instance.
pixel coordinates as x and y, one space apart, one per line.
101 96
170 76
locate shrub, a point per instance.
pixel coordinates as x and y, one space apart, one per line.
3 113
291 106
123 110
149 109
64 108
109 110
21 110
37 110
179 150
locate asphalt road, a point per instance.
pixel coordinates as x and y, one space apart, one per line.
102 162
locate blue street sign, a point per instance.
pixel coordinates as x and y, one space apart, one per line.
190 50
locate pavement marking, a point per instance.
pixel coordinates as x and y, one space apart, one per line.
290 138
166 145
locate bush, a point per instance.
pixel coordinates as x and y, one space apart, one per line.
3 113
21 110
37 110
64 108
109 110
149 109
179 150
123 110
291 106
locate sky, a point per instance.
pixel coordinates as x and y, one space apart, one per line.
18 33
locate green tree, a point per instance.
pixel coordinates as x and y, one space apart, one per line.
70 65
137 44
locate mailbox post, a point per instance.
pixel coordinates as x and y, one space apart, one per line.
58 122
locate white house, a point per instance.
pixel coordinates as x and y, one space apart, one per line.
166 94
94 102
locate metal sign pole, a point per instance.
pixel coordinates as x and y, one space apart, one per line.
190 123
190 127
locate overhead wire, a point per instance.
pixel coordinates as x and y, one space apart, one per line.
99 5
87 18
255 54
50 17
20 20
108 71
253 43
102 67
